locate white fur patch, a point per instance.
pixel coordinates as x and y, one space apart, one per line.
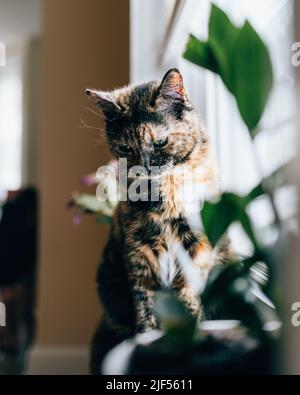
176 260
168 268
195 277
117 360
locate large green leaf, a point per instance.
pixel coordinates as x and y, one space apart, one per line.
253 75
241 59
217 217
222 40
200 53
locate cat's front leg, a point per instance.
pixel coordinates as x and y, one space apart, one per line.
145 319
191 301
142 281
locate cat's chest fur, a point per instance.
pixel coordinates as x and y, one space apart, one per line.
168 267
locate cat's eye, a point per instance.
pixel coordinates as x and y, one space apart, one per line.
126 149
161 143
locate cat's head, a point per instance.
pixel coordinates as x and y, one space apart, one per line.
153 124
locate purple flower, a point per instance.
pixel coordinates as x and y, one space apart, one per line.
77 217
88 180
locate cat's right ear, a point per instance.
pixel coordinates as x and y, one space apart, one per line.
104 100
171 87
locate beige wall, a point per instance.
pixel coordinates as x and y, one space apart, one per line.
85 44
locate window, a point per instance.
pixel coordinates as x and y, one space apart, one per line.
2 55
11 123
159 33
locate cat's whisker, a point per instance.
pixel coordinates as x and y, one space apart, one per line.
101 129
100 142
85 125
101 116
96 130
95 112
102 137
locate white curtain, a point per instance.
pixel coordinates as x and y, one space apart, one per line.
11 123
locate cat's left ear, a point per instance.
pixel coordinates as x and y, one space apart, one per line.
172 86
105 100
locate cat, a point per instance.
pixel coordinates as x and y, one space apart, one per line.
152 124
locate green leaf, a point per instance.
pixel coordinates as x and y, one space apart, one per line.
253 75
200 53
218 282
93 204
219 277
254 194
174 318
247 226
227 295
222 40
273 181
104 220
217 217
241 59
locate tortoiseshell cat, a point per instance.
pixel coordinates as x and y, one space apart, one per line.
153 124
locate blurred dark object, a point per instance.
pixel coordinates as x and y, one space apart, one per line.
243 342
18 261
221 347
225 352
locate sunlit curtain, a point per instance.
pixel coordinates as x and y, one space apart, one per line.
10 124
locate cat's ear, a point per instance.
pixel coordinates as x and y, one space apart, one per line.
172 86
105 100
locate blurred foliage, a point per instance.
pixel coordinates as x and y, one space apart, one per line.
175 319
83 203
218 216
102 204
240 58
